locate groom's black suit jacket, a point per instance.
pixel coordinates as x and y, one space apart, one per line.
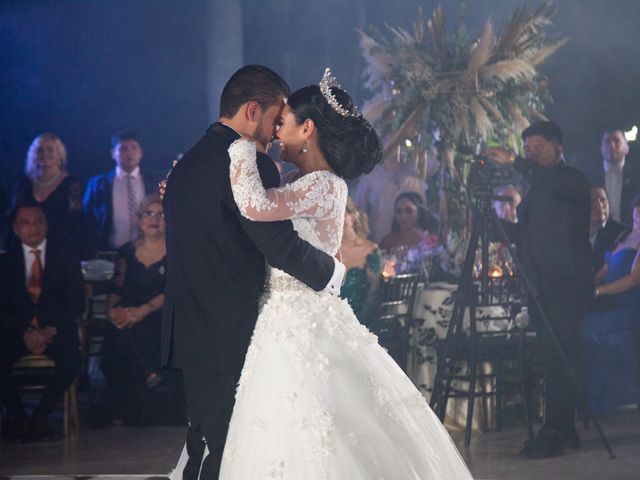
216 259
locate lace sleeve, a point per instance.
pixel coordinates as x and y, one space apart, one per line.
312 195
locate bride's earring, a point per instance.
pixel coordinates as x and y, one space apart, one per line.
305 145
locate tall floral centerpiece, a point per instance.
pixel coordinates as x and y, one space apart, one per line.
458 91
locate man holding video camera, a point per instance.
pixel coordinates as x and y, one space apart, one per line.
552 240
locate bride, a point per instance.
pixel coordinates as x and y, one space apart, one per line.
318 398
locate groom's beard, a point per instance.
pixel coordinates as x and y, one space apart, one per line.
260 137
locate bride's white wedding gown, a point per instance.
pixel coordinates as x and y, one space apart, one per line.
318 398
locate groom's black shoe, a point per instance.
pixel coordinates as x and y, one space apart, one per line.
546 444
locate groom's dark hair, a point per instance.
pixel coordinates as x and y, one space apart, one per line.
252 83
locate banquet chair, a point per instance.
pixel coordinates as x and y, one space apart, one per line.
491 359
109 255
396 300
30 373
95 317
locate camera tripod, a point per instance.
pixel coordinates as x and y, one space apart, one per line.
469 297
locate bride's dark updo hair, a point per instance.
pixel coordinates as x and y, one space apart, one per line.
350 144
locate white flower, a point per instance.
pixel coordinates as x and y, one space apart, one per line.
276 470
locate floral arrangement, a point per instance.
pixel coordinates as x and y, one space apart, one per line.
465 91
462 92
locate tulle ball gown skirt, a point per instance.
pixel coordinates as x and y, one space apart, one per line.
320 399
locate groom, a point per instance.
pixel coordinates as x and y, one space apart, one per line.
216 262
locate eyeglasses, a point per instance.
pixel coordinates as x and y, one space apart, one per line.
152 214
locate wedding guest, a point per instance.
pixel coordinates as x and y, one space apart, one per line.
139 392
603 230
507 209
364 266
617 174
410 223
377 191
111 199
608 350
41 300
48 184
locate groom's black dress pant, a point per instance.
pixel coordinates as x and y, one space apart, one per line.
210 398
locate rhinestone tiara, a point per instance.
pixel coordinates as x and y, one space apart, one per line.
328 81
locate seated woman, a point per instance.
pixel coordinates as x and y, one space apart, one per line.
608 356
363 261
48 184
410 223
140 393
410 246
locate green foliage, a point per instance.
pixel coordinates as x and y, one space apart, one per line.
461 90
469 89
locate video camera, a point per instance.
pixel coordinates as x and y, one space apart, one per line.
485 176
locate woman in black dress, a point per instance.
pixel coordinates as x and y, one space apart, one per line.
140 392
48 184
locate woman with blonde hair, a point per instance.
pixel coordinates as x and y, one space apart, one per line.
364 264
48 184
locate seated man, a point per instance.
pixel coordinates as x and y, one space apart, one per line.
41 298
603 230
507 209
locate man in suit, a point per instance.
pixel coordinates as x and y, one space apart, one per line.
603 230
41 298
619 177
216 261
552 240
111 199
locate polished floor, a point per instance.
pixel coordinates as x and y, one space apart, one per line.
137 453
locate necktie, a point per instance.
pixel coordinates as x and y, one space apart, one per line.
34 285
132 206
